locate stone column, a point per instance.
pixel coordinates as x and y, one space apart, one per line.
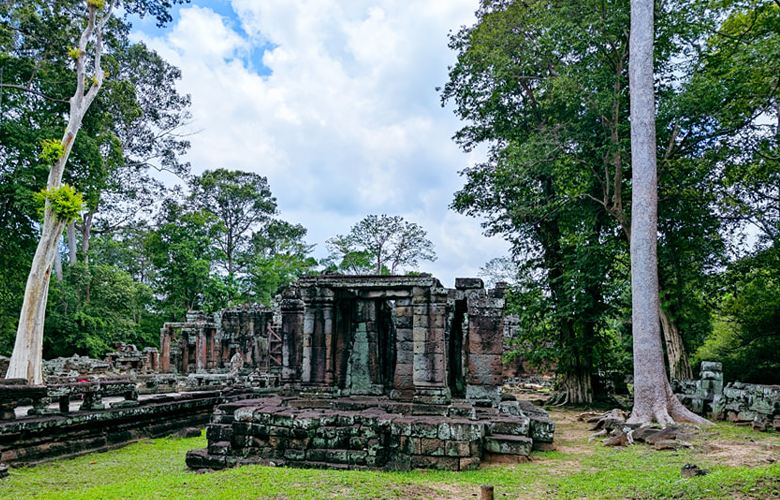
165 346
292 310
428 333
200 350
486 339
403 378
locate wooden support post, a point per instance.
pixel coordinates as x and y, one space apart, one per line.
486 492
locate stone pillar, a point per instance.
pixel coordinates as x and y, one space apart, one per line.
165 346
201 345
486 336
428 333
403 378
292 309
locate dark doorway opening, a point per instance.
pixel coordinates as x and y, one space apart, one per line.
456 381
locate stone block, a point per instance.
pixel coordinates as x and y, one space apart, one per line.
298 444
711 366
274 430
315 455
504 444
542 429
438 463
470 463
458 449
464 430
401 427
518 426
433 447
244 414
337 456
469 283
295 454
219 448
424 429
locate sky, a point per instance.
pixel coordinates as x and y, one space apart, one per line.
335 102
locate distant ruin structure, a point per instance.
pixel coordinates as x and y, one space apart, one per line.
205 343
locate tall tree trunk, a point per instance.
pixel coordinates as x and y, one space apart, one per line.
26 360
653 398
86 233
679 365
58 265
72 252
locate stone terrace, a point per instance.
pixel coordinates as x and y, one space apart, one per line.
370 433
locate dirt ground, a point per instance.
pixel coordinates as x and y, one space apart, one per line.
571 438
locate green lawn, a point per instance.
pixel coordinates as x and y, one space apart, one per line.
155 470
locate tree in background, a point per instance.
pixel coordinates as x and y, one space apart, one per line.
389 241
241 202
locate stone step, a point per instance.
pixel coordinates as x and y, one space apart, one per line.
505 444
219 448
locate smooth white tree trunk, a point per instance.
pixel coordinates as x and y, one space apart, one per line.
653 398
26 360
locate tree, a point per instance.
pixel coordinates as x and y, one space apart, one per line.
241 202
390 241
653 397
60 206
181 250
545 85
279 256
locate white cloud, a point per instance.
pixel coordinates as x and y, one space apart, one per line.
348 121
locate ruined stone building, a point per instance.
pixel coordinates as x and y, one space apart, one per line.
406 337
205 343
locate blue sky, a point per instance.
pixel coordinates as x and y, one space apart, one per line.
335 102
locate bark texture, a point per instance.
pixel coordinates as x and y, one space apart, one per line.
27 357
679 365
653 398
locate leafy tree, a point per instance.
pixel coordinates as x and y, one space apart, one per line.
89 72
241 202
280 256
116 309
183 256
390 241
545 85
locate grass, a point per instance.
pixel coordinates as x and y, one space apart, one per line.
155 470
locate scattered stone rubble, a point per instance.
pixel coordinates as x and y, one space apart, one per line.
753 404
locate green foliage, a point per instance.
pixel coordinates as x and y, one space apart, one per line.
64 201
746 339
94 307
52 151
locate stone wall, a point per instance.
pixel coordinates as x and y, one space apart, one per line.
31 440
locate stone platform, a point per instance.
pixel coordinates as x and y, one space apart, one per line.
370 433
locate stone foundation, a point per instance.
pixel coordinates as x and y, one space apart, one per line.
370 433
32 440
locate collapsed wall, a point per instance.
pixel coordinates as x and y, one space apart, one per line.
758 405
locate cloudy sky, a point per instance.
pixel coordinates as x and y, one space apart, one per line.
335 102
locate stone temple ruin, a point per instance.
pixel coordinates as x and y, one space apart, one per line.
383 372
392 372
